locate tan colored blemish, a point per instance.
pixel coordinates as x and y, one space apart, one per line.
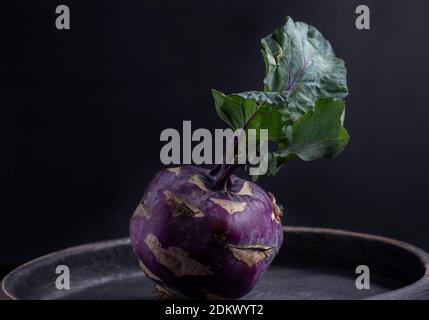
248 247
149 273
250 256
162 293
198 182
229 205
176 170
176 259
180 207
141 211
245 189
178 251
277 213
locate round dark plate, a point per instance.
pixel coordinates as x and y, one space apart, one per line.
312 264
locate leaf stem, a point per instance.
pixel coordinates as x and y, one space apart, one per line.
222 175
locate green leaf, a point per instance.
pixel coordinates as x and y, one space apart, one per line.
301 65
254 110
319 133
276 161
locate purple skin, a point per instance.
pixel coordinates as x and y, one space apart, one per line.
206 235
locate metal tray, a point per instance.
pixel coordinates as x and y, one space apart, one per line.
312 264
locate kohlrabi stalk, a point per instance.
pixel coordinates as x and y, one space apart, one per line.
222 176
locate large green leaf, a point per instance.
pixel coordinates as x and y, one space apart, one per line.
319 134
301 64
254 110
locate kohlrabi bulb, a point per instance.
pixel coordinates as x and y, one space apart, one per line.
198 241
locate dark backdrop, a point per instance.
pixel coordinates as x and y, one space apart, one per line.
82 110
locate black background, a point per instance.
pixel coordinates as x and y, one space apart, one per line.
82 110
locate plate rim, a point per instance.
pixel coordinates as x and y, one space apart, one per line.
421 284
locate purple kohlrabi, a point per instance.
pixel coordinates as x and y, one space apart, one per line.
197 236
